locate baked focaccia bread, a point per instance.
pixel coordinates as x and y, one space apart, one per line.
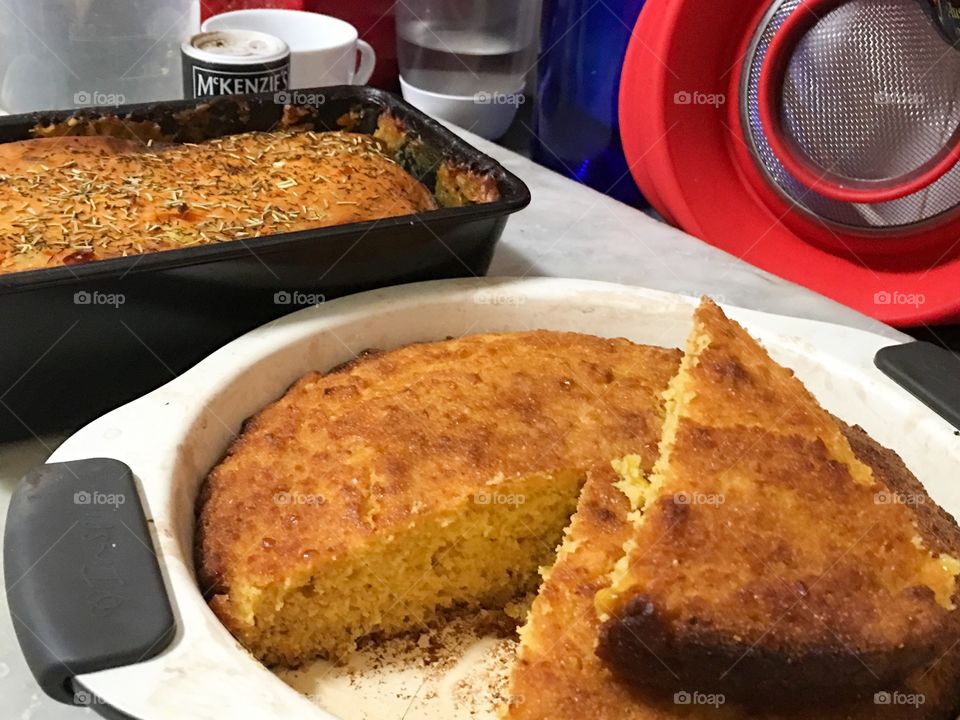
76 199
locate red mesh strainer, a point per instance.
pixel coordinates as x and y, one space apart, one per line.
834 157
858 101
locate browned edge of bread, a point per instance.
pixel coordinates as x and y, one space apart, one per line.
639 643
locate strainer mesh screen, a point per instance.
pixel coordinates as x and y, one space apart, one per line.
872 93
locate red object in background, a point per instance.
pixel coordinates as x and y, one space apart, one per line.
772 79
215 7
685 124
374 19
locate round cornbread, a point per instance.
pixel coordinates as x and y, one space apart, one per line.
438 475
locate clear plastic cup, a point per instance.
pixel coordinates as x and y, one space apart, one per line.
464 47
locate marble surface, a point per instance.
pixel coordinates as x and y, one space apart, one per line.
568 231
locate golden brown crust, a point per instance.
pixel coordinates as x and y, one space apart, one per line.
780 610
558 676
939 681
422 425
66 200
768 566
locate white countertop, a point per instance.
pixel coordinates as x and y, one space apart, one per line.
568 231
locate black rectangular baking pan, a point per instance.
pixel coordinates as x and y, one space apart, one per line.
77 341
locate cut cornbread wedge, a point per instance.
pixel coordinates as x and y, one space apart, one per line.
765 562
558 676
435 476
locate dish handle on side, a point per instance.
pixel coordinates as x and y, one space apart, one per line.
928 372
81 573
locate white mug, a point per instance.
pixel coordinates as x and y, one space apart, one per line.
323 49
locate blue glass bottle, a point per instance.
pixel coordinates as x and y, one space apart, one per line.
576 128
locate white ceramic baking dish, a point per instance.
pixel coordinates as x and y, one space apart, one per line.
171 438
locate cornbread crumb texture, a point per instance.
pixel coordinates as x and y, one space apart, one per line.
432 476
558 674
764 562
438 477
66 200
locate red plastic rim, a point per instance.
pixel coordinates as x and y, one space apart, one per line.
694 163
792 157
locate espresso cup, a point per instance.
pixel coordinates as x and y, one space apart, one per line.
323 49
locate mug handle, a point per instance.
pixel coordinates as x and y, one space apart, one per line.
368 61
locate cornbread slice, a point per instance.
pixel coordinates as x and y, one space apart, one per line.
765 562
558 676
439 475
